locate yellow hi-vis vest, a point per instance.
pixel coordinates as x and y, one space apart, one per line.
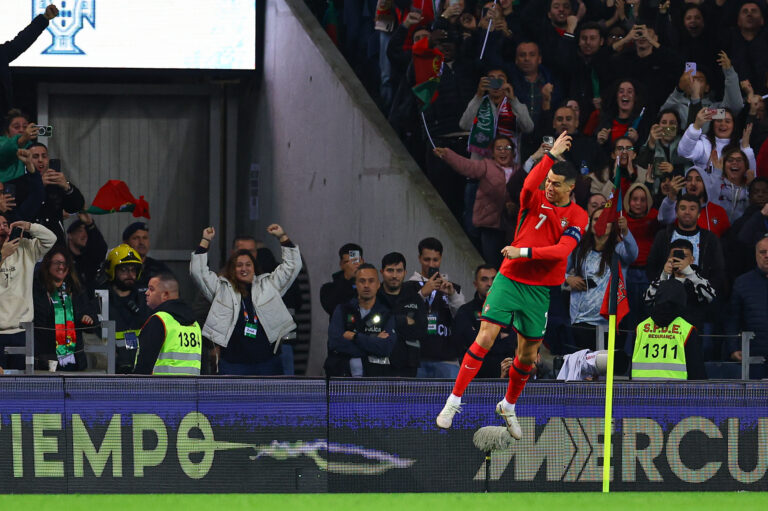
182 348
660 351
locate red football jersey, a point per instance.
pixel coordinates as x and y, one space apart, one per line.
550 232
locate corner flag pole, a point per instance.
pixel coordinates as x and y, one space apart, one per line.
612 302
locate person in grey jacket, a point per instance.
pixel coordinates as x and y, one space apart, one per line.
247 318
693 91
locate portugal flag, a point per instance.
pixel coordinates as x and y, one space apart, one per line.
427 68
622 304
115 197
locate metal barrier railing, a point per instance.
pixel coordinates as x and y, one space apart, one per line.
601 332
28 350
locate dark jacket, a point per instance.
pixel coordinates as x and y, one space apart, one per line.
366 345
711 264
56 201
45 338
336 292
10 51
465 328
153 332
88 261
128 313
30 194
747 311
410 314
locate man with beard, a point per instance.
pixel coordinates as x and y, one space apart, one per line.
712 218
707 253
409 311
127 306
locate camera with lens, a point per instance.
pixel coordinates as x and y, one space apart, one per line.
44 131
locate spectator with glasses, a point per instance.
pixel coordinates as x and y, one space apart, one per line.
489 214
623 153
61 306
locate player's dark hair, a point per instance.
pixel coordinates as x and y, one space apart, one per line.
565 169
588 244
431 244
759 179
392 258
688 197
345 249
672 111
590 25
483 267
681 243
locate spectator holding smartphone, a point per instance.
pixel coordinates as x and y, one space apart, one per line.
659 153
679 265
341 289
706 150
18 256
60 194
439 354
693 91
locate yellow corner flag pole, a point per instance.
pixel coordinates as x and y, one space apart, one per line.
608 405
608 429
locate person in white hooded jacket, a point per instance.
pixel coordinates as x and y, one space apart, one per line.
17 268
247 317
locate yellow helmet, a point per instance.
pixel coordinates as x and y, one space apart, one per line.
122 254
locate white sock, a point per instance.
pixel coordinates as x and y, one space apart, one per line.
454 400
509 407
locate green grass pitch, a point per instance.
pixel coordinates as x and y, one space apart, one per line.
742 501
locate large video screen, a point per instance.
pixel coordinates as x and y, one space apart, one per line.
139 34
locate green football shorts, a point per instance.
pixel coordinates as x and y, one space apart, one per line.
526 303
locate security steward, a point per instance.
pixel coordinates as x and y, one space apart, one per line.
361 333
170 342
666 346
127 307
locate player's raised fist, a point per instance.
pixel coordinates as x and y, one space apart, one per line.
561 145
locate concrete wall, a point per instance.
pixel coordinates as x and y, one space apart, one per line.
332 170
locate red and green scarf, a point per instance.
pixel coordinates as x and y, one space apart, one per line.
64 320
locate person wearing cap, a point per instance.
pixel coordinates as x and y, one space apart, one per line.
666 346
136 236
88 248
127 306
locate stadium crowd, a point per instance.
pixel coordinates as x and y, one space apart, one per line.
669 95
665 99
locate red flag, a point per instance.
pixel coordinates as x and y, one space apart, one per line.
613 207
331 22
427 68
115 197
622 304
